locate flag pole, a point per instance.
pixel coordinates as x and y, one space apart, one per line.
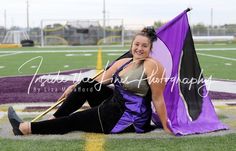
127 54
48 110
59 102
189 9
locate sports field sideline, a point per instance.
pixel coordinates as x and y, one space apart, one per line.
217 61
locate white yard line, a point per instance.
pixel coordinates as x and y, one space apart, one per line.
220 49
2 114
75 55
62 51
71 77
114 54
215 56
221 86
10 53
95 50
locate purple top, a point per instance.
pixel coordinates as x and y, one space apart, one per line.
137 112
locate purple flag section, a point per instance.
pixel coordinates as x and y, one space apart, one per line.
189 108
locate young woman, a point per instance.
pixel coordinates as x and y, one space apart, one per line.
137 81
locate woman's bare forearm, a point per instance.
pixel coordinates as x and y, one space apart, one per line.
161 111
160 107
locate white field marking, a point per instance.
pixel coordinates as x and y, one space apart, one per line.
2 115
221 86
220 49
23 113
33 67
84 54
10 53
71 77
66 66
62 51
21 106
114 54
86 51
228 64
1 67
215 56
221 44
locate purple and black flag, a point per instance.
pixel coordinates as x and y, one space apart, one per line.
189 107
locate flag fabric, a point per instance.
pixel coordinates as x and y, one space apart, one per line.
189 108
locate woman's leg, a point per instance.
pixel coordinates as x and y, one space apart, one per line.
87 121
87 89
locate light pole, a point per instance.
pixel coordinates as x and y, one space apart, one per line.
211 20
5 20
104 21
27 15
211 23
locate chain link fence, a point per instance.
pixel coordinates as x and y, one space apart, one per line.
91 32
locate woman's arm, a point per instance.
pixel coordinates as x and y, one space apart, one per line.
155 75
106 76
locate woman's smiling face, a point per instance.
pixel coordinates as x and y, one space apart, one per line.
141 47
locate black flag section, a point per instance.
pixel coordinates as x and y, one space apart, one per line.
191 78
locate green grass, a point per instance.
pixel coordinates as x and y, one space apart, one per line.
222 117
126 47
41 145
65 47
54 62
216 67
216 143
211 143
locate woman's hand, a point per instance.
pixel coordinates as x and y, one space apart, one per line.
67 92
168 131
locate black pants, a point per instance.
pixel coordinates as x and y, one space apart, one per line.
67 121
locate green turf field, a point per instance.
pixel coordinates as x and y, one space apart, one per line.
216 143
51 61
217 63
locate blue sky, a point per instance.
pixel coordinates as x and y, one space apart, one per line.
134 12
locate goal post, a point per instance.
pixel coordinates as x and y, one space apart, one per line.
82 32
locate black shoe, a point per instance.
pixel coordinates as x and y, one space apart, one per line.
14 120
